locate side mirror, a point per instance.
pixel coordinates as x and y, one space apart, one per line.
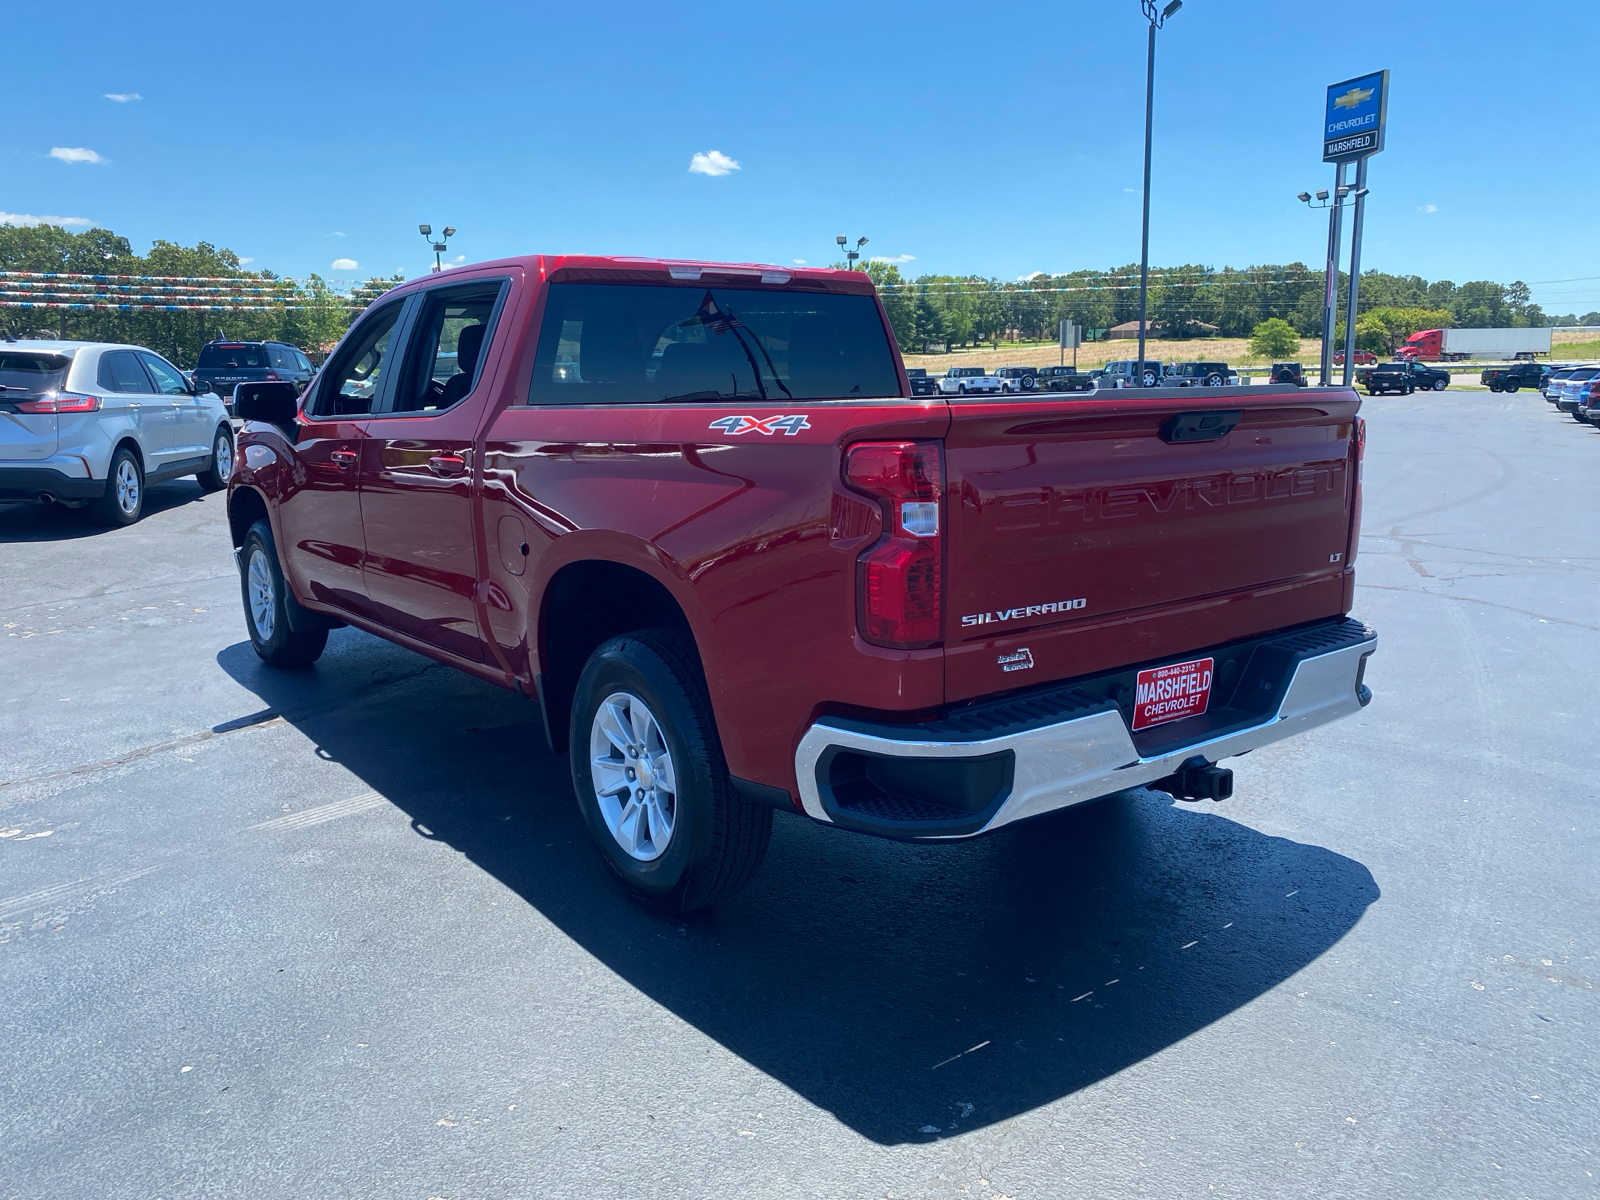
271 403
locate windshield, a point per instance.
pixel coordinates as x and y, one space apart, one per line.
1580 376
225 355
24 375
649 343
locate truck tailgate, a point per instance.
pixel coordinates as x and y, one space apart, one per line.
1085 535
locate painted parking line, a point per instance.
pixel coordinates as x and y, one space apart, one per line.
323 812
63 894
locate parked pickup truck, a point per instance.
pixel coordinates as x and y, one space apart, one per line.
693 510
1404 377
958 381
1525 374
1065 379
922 384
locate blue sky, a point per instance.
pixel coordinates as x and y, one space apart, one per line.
992 139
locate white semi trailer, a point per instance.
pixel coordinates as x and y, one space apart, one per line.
1454 345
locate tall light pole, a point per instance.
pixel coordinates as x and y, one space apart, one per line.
1157 18
439 247
850 256
1330 286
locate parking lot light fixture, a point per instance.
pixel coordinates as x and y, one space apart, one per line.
438 247
1157 18
850 255
1305 197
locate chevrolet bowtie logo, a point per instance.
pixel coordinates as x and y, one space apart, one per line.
1352 98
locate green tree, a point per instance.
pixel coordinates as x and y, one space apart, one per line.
1372 335
1274 338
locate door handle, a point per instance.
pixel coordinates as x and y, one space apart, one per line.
345 458
447 466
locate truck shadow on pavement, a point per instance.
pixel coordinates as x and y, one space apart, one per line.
915 992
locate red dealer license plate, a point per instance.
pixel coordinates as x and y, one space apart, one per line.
1172 692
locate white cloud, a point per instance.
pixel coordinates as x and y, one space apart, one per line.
123 97
344 264
1029 275
75 154
799 262
29 219
338 233
1130 189
242 261
1430 208
898 258
460 258
712 162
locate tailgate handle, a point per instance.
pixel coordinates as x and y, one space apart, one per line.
1200 426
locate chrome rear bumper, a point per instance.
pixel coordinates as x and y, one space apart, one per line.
1087 751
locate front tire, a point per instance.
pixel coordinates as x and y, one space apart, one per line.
266 612
651 780
1511 386
122 503
215 477
1439 385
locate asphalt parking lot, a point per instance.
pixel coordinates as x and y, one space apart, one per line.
340 933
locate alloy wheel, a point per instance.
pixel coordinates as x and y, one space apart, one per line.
635 784
127 485
222 456
263 601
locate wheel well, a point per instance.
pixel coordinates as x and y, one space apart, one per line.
586 604
131 445
245 508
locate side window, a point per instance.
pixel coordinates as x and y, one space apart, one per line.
305 363
350 385
169 381
120 372
447 348
279 358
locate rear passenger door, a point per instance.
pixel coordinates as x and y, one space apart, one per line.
130 394
421 570
185 414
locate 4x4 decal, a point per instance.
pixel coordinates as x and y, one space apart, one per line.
734 426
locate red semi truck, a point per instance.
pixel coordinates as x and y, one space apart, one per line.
695 511
1456 345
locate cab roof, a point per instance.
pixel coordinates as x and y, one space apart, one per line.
595 268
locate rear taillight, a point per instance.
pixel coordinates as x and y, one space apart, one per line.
272 375
61 402
1359 434
900 579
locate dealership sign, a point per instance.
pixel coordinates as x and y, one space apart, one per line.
1353 125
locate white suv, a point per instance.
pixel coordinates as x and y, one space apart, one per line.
94 423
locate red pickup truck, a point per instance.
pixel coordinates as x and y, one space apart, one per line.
695 511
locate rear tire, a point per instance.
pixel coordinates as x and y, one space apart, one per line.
122 503
215 477
684 838
266 612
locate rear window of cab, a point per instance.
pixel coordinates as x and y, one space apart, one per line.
654 344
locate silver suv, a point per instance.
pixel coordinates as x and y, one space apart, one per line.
92 423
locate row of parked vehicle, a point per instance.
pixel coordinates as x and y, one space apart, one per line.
1574 390
962 381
